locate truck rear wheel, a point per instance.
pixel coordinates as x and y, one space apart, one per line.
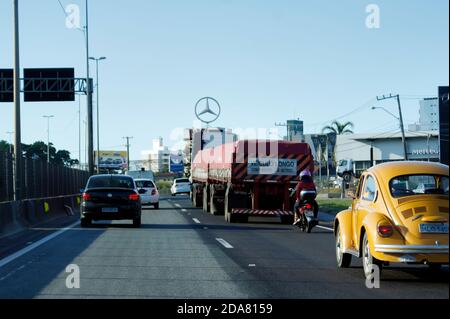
206 199
196 202
215 207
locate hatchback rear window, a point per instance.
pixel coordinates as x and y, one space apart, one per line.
145 184
184 180
111 182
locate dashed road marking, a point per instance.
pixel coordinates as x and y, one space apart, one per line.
184 210
224 243
178 205
196 220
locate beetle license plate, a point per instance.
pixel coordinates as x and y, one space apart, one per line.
434 228
110 210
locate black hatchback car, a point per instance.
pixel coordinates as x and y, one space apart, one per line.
110 197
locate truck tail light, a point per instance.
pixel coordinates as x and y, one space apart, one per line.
86 196
134 197
385 230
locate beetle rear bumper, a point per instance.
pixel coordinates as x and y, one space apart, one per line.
412 253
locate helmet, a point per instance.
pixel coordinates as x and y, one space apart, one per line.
305 173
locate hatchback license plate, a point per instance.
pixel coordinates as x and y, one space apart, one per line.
110 210
434 228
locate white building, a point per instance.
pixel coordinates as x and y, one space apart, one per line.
387 147
158 157
429 116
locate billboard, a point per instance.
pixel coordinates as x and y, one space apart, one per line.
176 163
49 85
443 122
6 85
112 160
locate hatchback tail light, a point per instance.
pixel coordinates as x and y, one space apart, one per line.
153 192
134 197
385 230
86 196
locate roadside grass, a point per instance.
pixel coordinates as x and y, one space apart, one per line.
333 206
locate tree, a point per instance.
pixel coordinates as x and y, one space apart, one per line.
4 146
339 128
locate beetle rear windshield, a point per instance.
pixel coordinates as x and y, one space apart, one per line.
411 185
111 182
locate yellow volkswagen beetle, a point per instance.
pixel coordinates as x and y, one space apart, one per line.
399 214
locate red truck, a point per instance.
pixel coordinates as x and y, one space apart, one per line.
249 178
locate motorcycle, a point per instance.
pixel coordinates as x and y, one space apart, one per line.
306 221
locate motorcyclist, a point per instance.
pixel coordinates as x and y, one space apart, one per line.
306 184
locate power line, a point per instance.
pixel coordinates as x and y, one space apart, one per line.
356 110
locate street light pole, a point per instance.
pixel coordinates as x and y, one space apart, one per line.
98 112
48 117
18 136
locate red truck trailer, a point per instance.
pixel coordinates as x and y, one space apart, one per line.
249 178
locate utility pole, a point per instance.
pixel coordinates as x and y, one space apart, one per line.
402 127
48 117
128 138
18 135
89 100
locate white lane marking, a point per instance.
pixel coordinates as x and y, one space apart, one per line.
326 228
252 265
184 210
26 250
224 243
178 205
196 220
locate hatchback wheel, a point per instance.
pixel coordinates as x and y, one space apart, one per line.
137 222
85 223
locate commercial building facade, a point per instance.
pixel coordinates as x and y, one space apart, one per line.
366 150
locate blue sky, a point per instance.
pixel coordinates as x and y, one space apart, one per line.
265 61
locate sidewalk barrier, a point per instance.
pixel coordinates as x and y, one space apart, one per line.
17 216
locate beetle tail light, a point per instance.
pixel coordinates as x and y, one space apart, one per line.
86 196
134 197
385 230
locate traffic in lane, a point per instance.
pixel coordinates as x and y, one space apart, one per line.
182 252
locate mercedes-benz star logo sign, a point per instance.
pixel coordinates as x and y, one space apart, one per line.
207 110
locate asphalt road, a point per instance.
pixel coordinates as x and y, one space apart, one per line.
181 252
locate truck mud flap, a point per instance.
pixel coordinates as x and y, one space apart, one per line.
258 212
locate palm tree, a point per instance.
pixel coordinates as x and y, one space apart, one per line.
339 128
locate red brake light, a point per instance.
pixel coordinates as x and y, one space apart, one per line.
154 192
134 197
86 196
308 206
385 230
